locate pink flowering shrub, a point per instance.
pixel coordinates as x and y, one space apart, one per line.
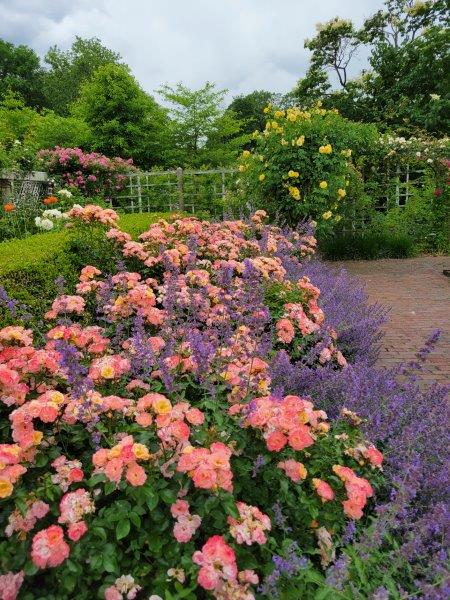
89 172
144 450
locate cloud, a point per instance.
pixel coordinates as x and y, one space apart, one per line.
241 45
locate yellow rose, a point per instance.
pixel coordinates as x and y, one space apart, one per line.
242 168
294 192
141 452
300 140
6 488
262 177
327 215
327 149
162 406
284 142
107 372
292 173
57 397
323 185
37 437
279 114
114 452
267 109
341 193
302 472
246 153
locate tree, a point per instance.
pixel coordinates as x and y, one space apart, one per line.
69 70
313 87
201 131
249 109
408 84
333 48
21 72
125 121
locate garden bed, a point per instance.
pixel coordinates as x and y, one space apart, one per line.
167 434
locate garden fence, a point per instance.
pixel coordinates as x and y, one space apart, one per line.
183 190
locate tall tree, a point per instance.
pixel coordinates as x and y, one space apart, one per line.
201 131
333 48
68 70
249 109
21 72
124 120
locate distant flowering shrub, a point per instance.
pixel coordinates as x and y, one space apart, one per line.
89 172
300 166
148 448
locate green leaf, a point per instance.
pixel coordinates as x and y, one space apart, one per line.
109 564
99 532
110 486
152 500
230 506
135 519
122 529
168 496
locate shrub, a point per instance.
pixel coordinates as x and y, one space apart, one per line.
301 165
91 173
366 246
162 454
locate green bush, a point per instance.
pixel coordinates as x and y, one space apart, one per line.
369 246
301 166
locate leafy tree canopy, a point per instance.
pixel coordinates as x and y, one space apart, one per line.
68 70
125 121
201 131
21 72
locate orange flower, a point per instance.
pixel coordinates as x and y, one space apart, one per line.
50 200
8 207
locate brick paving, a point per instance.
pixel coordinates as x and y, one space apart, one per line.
418 295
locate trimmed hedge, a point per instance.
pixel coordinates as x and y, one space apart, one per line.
370 246
30 266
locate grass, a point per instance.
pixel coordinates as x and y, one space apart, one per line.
17 254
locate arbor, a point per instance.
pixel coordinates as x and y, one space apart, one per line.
70 69
125 121
21 72
201 131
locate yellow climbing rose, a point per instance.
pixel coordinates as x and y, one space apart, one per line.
327 149
292 173
327 215
341 193
300 140
246 153
323 185
262 177
294 192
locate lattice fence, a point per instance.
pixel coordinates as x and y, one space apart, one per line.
178 190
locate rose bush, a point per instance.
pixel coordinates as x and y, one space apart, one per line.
90 173
144 448
301 166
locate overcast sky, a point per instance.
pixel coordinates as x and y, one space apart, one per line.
241 45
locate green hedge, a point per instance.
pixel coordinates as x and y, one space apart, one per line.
30 266
370 246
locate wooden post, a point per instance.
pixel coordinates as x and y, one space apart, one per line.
139 190
180 189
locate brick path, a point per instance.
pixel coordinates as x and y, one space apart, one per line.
418 295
